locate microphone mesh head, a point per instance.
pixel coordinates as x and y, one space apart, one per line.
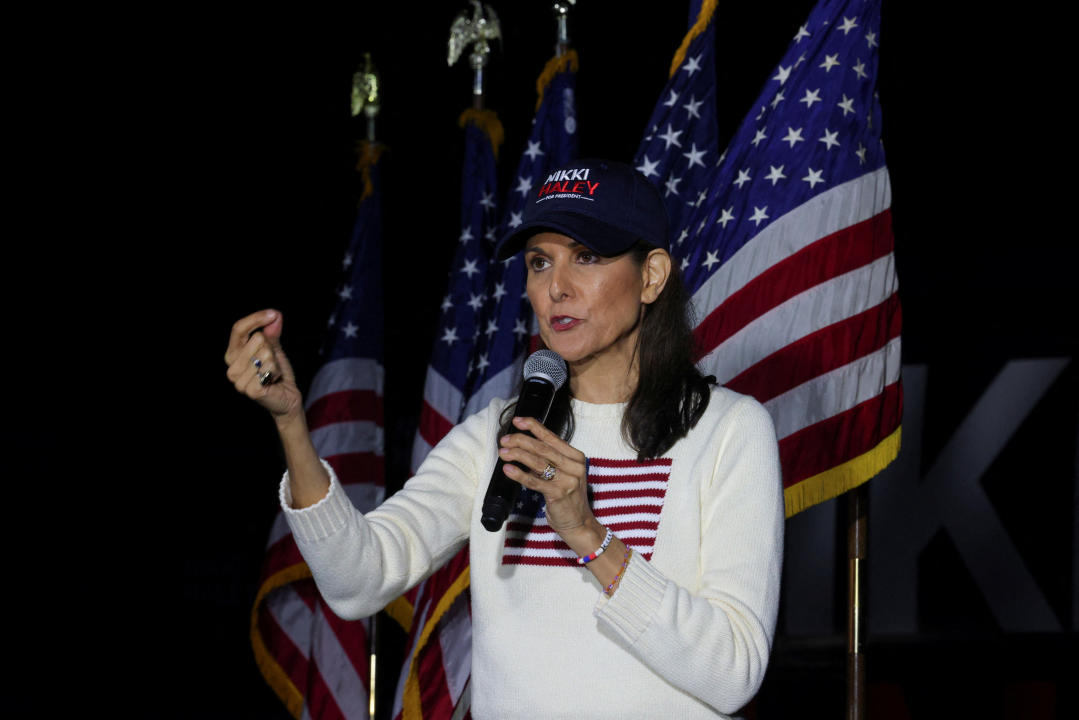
546 364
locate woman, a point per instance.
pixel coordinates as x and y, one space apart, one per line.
669 609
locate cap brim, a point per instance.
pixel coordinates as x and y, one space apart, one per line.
597 236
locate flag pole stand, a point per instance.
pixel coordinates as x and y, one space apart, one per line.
857 531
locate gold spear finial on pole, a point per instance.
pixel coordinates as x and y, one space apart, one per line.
475 31
366 95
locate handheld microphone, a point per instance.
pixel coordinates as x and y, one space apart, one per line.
544 372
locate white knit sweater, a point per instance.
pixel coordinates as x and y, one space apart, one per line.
687 633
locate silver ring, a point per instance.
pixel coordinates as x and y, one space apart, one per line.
549 471
264 378
256 362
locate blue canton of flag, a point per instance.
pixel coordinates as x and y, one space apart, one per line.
531 504
815 125
507 319
356 324
682 142
790 259
452 370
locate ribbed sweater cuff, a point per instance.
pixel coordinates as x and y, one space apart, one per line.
635 601
321 520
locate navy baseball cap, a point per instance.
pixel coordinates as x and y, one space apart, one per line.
606 206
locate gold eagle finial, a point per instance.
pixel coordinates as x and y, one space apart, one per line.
477 30
365 88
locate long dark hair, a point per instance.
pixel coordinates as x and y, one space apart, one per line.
671 393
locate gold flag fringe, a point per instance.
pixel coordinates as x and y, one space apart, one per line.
488 122
275 675
559 63
402 611
838 480
411 706
368 155
708 9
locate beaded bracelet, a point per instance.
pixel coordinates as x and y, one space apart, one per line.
625 562
599 551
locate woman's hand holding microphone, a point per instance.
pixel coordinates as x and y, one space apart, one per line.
560 474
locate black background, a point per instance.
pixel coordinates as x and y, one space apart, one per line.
239 194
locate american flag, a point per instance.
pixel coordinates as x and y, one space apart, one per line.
317 663
435 672
625 495
682 142
788 254
500 327
507 320
451 371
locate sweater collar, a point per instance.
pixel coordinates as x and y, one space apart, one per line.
595 411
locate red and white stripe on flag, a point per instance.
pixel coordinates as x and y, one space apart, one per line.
806 318
317 663
441 402
436 613
435 677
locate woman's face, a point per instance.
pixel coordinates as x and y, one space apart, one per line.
588 307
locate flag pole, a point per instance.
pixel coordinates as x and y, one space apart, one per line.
478 59
371 694
561 13
365 98
857 531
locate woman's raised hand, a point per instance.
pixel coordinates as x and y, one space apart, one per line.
258 367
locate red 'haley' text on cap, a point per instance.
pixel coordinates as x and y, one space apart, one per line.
578 188
569 181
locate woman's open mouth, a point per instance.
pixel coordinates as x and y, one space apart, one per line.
560 323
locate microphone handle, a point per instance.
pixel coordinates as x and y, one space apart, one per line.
502 494
535 401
